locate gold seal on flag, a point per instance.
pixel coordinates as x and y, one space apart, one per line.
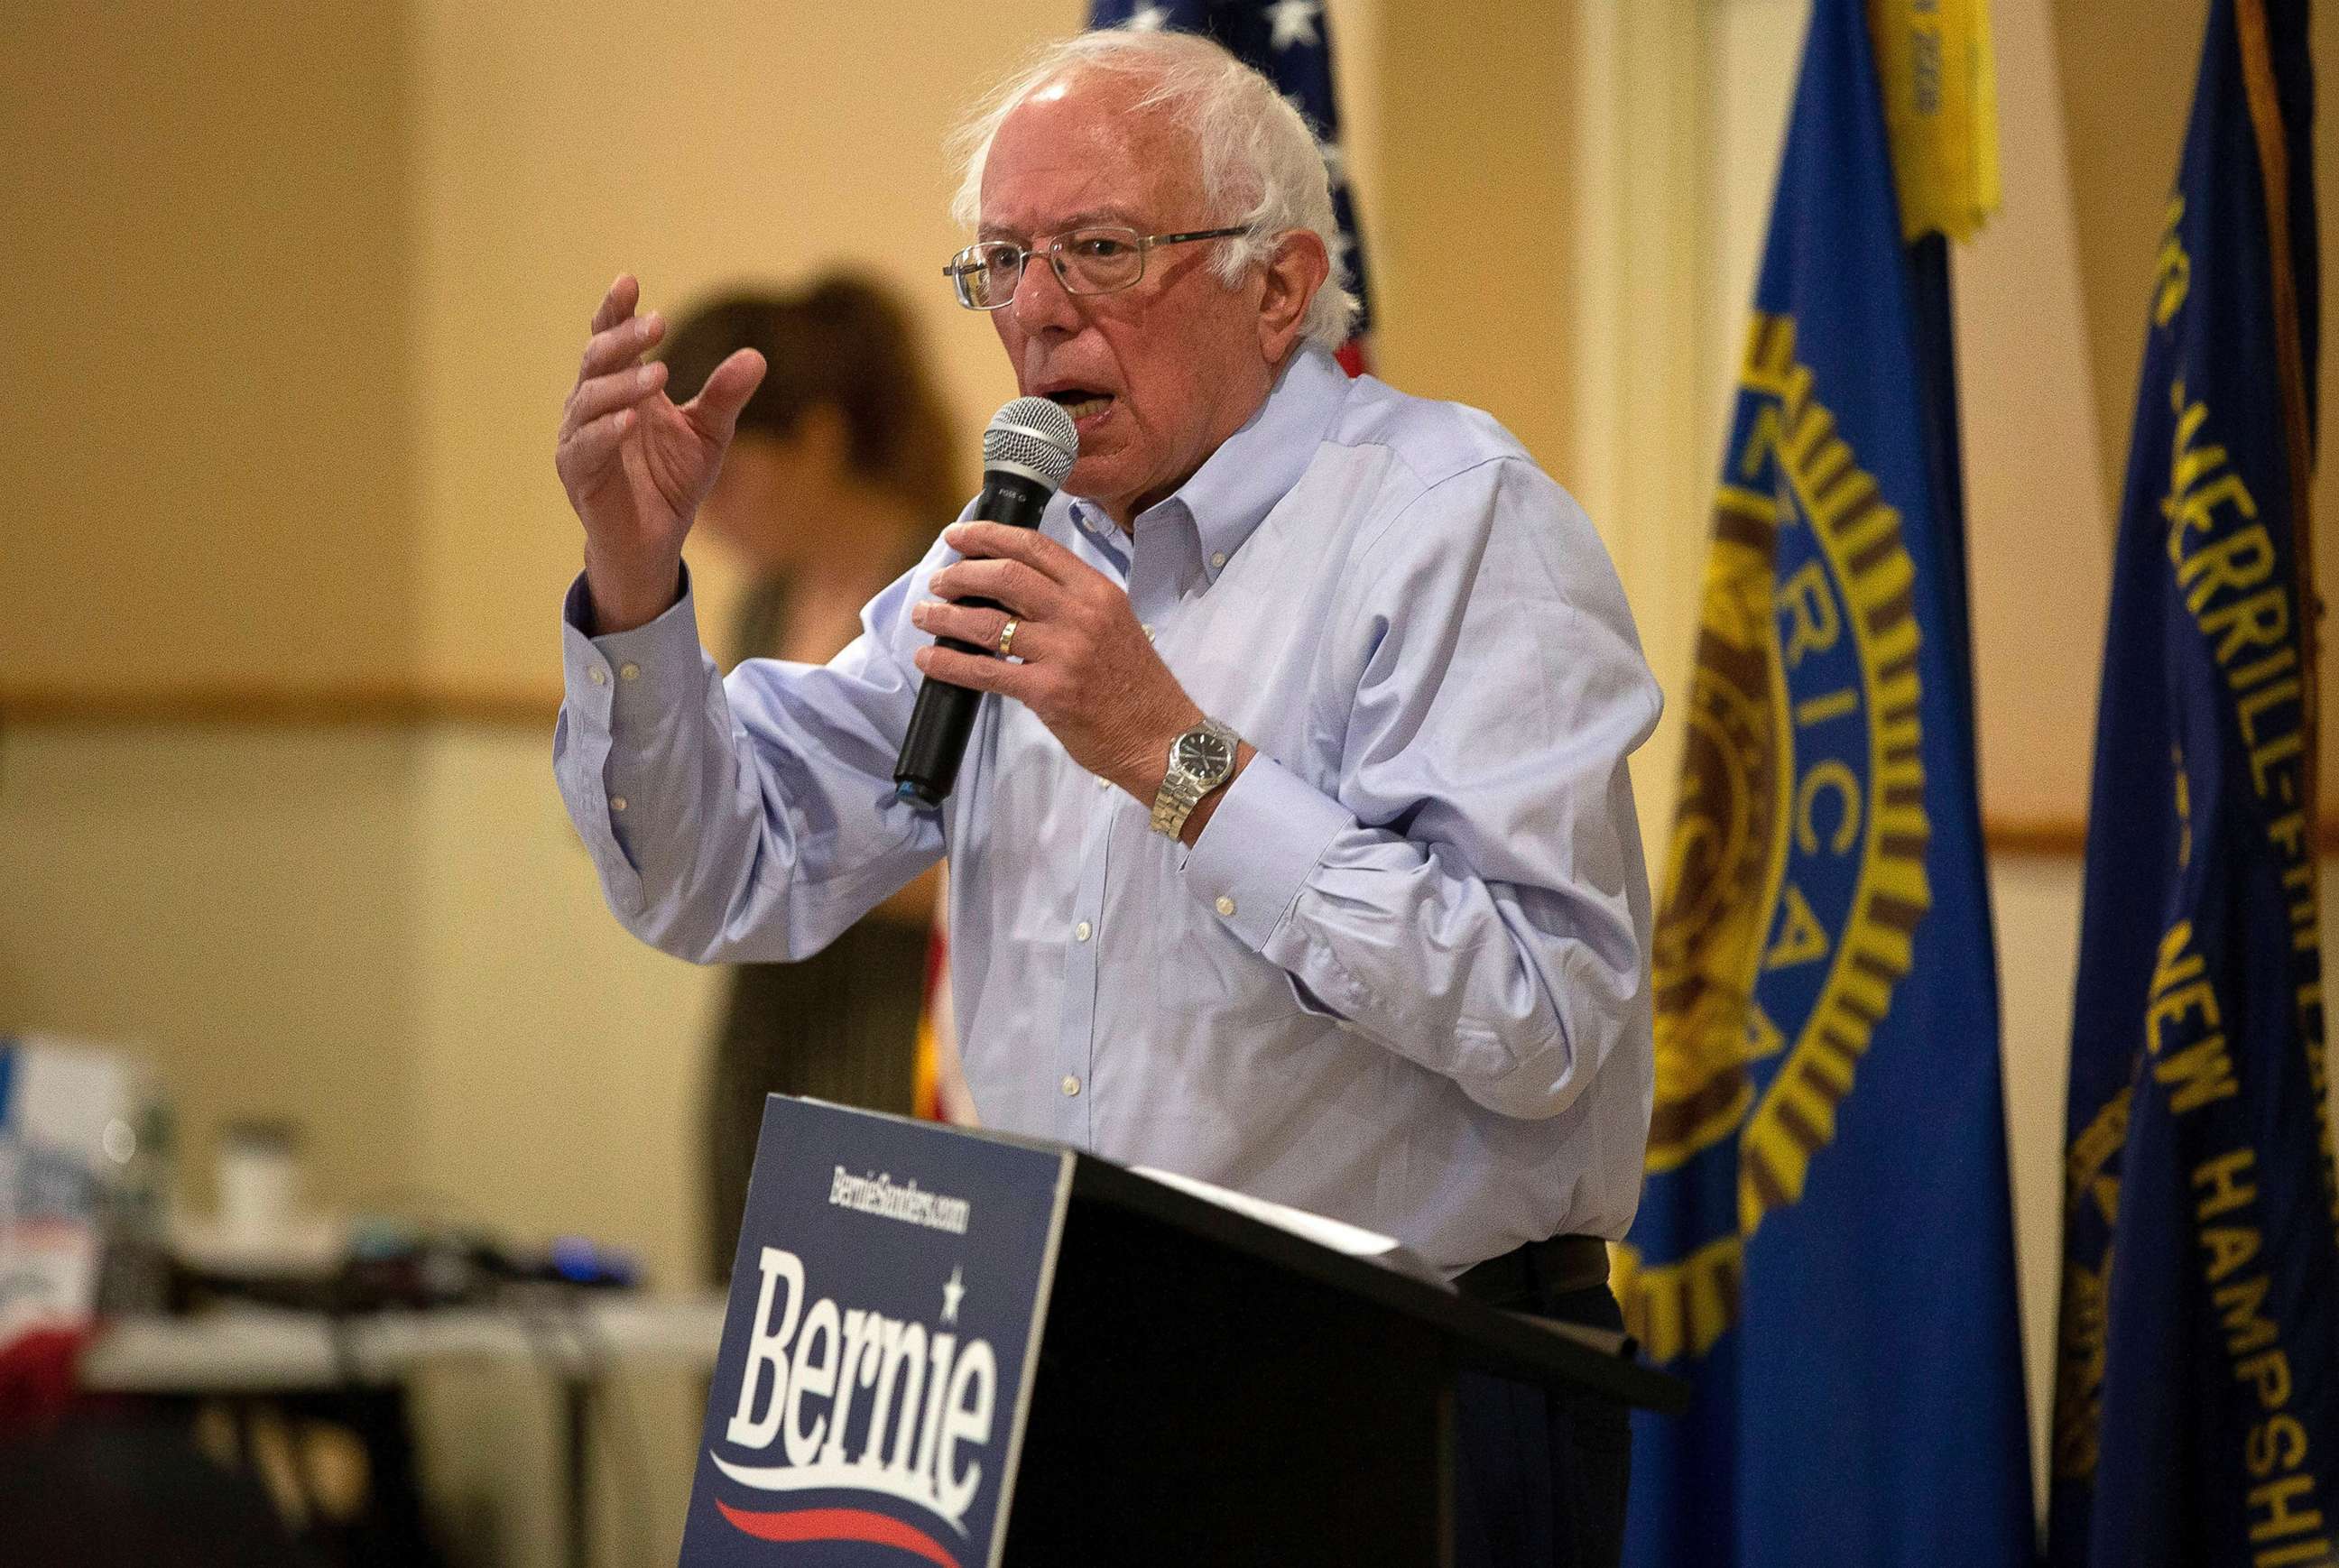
1795 878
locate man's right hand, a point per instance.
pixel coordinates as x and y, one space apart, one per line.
636 466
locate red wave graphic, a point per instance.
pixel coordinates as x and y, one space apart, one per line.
838 1524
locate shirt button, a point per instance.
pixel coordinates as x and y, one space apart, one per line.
1218 559
1071 1086
598 675
1226 905
617 802
628 672
1148 629
1081 931
1103 783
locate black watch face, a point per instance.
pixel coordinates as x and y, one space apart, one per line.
1204 755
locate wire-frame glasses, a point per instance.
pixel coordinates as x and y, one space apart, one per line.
1096 260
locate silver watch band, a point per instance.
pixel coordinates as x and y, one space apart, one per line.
1180 794
1182 791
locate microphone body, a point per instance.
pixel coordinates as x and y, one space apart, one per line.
1027 452
943 718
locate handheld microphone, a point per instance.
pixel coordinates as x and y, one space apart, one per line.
1026 452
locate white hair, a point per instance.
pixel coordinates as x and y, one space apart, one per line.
1261 166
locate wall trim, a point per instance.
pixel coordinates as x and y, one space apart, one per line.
2065 838
352 704
400 705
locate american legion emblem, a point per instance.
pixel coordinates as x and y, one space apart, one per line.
1795 878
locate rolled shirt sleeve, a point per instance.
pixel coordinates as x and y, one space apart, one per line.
1466 887
750 819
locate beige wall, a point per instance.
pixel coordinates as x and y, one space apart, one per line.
2040 510
1644 234
2040 526
302 289
1449 265
562 144
209 403
240 907
2123 102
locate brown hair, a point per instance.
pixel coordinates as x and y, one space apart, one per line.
844 339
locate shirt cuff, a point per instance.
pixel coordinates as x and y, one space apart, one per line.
617 678
1256 854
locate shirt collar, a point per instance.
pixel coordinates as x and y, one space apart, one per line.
1238 484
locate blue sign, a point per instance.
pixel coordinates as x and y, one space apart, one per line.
886 1302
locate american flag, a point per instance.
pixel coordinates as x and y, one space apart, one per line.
1290 42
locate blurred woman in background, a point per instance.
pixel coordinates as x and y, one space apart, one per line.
839 478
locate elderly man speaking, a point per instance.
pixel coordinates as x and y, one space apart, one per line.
1373 940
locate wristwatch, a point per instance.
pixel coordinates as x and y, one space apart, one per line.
1200 760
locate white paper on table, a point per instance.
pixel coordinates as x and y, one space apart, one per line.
1353 1240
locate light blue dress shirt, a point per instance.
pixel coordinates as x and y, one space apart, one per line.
1402 979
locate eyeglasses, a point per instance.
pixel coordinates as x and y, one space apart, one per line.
1086 262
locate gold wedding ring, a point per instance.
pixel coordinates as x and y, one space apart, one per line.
1007 636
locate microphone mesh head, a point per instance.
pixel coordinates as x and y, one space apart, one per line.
1035 434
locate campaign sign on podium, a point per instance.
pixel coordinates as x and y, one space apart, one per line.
877 1356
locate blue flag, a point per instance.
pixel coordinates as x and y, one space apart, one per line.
1291 42
1825 1244
2196 1415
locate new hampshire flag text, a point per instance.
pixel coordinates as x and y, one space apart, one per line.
2196 1419
1825 1247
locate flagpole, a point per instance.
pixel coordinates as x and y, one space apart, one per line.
2265 95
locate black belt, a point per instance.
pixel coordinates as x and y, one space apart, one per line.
1530 1278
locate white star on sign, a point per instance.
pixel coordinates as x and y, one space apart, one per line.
1294 22
1152 19
951 1294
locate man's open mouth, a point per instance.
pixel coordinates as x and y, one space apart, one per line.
1080 401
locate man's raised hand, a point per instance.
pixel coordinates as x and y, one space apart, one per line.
634 465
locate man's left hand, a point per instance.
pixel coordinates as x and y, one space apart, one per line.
1082 663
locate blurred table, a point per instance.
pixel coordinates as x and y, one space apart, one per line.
249 1349
576 1337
